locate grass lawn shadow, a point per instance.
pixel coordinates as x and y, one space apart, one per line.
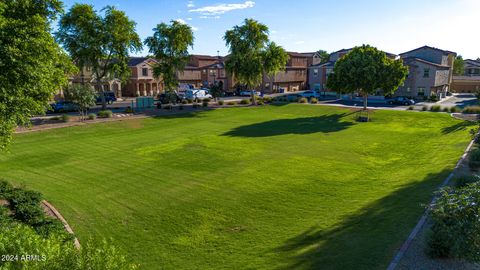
307 125
458 126
363 240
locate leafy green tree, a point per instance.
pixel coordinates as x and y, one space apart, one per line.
83 95
324 55
252 54
170 44
459 65
365 70
99 42
33 67
216 90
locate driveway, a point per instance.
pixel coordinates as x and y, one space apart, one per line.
460 100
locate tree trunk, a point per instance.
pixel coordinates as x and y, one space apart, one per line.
254 101
365 100
102 95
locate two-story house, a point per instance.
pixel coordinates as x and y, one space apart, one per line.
142 82
293 78
430 72
469 82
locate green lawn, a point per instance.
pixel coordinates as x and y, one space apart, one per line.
275 187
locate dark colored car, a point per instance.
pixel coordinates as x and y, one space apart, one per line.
166 98
63 106
109 98
401 101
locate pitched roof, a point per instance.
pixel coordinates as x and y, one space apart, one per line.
431 48
466 78
298 54
408 59
133 61
205 57
472 62
328 63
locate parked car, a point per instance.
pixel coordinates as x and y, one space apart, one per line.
109 97
293 97
197 94
247 93
172 97
310 94
401 101
64 106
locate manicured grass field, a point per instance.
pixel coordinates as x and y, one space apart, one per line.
277 187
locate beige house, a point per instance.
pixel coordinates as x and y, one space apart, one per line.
293 78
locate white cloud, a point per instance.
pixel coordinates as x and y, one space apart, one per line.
189 19
190 4
222 8
182 21
209 17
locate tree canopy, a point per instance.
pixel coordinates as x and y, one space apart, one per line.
252 54
102 43
82 95
324 55
366 70
169 44
33 66
459 66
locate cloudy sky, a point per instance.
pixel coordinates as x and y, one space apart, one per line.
309 25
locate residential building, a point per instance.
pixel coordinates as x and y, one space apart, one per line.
293 78
86 76
469 82
430 72
142 82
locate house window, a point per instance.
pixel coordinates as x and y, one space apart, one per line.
144 71
408 90
315 72
426 72
421 91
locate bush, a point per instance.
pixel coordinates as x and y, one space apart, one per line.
220 102
205 104
472 110
433 98
260 102
474 159
424 108
105 114
5 189
435 108
206 100
464 180
92 116
65 118
189 101
446 109
410 108
245 101
454 109
314 100
184 101
231 103
267 99
454 232
302 100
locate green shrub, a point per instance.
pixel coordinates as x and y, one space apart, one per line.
184 101
410 108
231 103
472 110
105 114
92 116
302 100
424 108
206 100
446 109
454 109
433 98
464 180
221 102
314 100
454 232
50 226
65 118
260 102
205 104
267 99
5 189
245 101
474 159
435 108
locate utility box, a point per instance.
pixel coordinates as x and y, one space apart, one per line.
144 102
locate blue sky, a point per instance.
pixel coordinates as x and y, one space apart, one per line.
309 25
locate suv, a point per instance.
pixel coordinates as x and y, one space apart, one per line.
401 101
109 97
63 106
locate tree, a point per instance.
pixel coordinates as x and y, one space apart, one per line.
170 44
216 90
83 96
324 56
458 66
365 70
101 43
252 54
33 67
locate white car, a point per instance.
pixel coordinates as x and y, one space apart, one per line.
247 93
310 94
197 94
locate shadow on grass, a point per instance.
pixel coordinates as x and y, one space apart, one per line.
179 114
458 126
306 125
367 239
